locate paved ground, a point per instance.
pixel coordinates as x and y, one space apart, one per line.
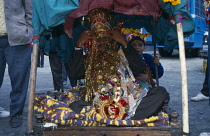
198 111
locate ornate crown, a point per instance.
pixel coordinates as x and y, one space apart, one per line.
99 21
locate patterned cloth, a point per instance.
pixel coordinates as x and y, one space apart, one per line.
131 7
58 111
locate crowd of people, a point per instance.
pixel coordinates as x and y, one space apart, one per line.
109 52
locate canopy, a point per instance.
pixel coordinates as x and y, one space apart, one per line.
129 7
153 15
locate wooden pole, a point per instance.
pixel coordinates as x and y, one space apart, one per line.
208 60
185 114
156 68
32 87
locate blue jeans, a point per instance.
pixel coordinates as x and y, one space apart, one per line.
18 59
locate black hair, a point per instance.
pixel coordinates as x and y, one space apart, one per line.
136 38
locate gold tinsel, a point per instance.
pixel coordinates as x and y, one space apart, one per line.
100 66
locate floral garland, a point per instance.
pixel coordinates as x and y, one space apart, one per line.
206 3
207 10
134 32
173 2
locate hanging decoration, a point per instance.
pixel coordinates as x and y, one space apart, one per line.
130 33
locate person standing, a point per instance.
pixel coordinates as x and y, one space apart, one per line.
57 45
16 34
203 95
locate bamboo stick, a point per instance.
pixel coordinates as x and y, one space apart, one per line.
32 87
185 114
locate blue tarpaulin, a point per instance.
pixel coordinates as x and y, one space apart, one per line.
51 13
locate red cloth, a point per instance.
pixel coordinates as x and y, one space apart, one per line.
128 7
68 26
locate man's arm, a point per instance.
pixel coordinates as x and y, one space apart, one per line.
27 4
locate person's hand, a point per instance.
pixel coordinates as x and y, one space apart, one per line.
144 78
117 36
156 60
84 36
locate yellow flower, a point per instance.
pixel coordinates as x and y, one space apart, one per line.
173 2
207 4
176 2
134 32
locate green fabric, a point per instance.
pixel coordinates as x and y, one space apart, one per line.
48 13
46 19
188 23
57 41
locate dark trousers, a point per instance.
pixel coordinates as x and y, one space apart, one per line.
40 62
64 73
72 81
57 71
56 68
205 89
151 104
18 59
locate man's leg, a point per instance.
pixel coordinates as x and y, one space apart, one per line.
42 58
204 93
151 104
64 75
38 59
205 89
73 82
3 44
56 68
19 64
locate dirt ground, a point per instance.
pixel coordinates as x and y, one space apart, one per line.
199 112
